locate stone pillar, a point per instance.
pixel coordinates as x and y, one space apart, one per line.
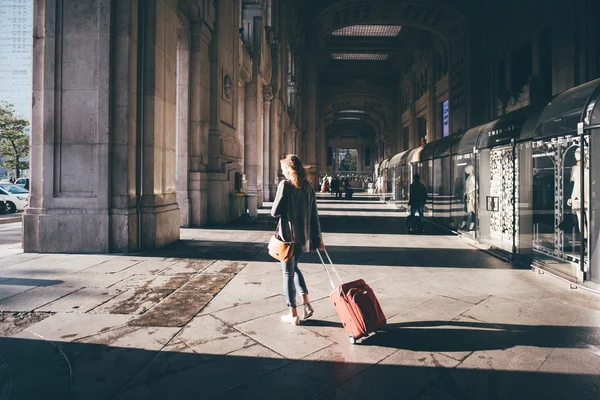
312 124
275 146
183 119
199 122
251 148
158 203
267 98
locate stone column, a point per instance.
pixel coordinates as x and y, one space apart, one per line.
250 147
183 119
158 203
267 98
276 147
199 122
74 125
312 124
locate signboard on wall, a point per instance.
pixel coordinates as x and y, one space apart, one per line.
445 119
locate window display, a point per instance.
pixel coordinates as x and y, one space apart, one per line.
464 193
503 195
559 212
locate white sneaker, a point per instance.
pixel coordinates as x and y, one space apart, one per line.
308 311
288 318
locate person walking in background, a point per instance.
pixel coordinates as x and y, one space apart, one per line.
295 205
335 186
417 198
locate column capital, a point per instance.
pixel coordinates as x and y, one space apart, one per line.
268 93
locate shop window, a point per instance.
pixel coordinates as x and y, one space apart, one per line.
329 156
557 206
367 157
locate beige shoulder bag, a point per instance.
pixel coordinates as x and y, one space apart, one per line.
280 249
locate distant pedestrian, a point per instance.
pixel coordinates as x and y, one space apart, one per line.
417 198
12 179
335 186
296 206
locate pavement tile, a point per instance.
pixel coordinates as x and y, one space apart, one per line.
134 337
186 266
437 309
80 301
90 279
575 361
7 291
209 336
13 323
35 298
165 282
225 267
314 375
209 380
405 374
207 283
132 301
123 351
175 311
69 327
252 310
150 266
550 311
285 339
113 265
221 302
519 358
496 310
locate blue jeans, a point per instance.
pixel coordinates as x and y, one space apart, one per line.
292 279
420 208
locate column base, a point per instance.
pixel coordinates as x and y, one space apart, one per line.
63 231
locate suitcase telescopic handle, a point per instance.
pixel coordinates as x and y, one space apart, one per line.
332 267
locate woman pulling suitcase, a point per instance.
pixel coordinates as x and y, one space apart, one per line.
296 207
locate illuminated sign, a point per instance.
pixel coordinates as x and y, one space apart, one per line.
445 119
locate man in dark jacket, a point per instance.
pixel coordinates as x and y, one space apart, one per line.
418 197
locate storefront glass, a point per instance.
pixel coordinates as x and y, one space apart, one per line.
464 193
499 195
558 209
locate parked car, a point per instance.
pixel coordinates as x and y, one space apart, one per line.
23 182
2 206
15 197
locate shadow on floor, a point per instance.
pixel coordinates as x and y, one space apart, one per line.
36 369
460 336
348 255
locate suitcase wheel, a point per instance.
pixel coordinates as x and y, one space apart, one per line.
352 340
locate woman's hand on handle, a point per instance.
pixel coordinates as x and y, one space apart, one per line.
321 246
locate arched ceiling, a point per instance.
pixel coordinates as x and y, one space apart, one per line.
360 109
430 15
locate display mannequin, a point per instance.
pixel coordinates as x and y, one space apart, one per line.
575 201
470 189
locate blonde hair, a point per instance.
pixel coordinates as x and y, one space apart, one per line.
299 172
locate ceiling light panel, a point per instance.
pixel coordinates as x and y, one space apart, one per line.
348 119
360 56
369 30
351 112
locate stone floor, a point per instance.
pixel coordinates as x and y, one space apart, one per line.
200 320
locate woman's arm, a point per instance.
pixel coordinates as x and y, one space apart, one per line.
278 204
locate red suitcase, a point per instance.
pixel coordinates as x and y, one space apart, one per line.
356 305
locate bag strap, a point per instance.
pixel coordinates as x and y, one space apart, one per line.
332 267
278 229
